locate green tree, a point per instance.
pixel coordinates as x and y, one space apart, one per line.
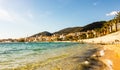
83 36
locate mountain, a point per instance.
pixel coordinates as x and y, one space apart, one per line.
45 33
91 26
69 30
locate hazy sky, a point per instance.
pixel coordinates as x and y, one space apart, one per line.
20 18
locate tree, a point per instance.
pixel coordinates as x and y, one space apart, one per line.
116 20
83 36
111 25
105 28
118 16
21 40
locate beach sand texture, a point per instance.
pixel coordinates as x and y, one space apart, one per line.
112 49
112 53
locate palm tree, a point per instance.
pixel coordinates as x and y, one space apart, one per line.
116 20
106 28
116 25
118 15
111 25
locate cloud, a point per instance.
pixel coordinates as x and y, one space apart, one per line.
113 13
9 16
14 17
5 15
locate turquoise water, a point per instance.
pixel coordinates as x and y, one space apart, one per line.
17 55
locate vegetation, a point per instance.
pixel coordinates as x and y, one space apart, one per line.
45 33
94 25
91 26
112 25
69 30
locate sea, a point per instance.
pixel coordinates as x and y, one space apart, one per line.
38 55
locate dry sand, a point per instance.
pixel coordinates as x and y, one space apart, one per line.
113 38
111 56
112 53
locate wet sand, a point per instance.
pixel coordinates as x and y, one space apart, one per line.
111 47
90 60
77 61
110 60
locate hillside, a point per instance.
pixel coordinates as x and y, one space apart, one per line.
90 26
69 30
93 26
45 33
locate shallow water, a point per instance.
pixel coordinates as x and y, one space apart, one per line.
32 56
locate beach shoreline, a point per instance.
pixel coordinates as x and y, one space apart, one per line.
86 61
66 57
108 61
89 59
110 44
111 58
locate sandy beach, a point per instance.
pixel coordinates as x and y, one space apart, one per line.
93 57
108 55
88 60
74 61
78 61
112 54
113 38
111 57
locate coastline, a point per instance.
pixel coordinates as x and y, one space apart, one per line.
88 60
110 44
64 58
113 38
108 61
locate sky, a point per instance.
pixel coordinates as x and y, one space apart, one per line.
22 18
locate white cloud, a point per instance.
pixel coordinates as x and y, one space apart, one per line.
113 13
5 15
14 17
9 16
